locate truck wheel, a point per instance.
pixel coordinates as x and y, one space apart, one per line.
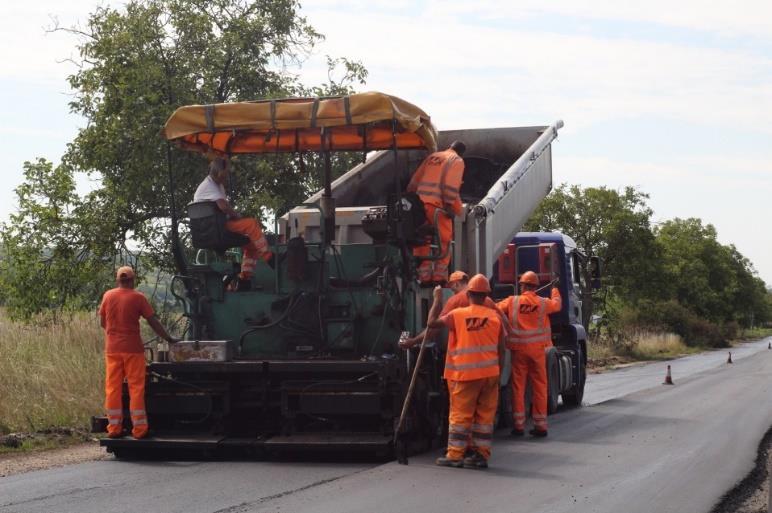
573 397
553 380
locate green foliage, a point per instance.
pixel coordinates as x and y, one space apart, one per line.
713 280
44 265
140 63
671 316
136 65
676 278
606 223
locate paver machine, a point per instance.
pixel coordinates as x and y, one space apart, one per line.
307 358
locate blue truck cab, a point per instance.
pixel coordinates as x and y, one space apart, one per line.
551 255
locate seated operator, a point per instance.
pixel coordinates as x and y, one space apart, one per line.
213 189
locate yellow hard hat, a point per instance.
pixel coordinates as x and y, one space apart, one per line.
530 278
479 283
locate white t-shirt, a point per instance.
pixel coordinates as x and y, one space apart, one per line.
209 190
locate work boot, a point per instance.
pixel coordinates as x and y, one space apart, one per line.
120 434
476 460
538 433
517 432
447 462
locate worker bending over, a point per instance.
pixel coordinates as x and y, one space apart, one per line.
472 367
530 335
437 181
119 314
213 189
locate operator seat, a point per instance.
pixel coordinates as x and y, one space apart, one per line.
207 228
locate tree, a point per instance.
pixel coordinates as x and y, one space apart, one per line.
136 65
713 280
44 268
606 223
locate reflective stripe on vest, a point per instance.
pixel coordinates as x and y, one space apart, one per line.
428 189
474 353
471 350
473 365
541 333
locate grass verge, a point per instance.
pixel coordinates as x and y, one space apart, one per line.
51 373
638 346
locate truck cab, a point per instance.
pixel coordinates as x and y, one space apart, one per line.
551 255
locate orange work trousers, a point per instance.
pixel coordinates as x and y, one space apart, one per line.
435 270
529 362
130 366
257 248
472 413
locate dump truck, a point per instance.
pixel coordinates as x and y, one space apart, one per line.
307 358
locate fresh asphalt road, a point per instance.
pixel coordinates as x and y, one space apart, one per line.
637 447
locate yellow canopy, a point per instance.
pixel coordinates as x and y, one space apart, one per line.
359 122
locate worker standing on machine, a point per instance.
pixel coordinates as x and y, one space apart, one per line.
119 315
472 368
437 181
213 189
530 335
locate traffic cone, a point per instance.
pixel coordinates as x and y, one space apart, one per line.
729 360
668 377
769 346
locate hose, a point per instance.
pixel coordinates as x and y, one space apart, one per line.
290 306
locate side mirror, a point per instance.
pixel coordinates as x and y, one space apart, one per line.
595 272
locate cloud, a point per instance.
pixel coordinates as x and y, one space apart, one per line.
529 74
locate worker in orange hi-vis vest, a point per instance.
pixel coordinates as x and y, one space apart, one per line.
457 283
437 181
530 335
472 367
119 314
213 189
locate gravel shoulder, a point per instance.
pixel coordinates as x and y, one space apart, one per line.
21 462
752 493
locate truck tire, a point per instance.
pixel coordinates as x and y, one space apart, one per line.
553 380
574 396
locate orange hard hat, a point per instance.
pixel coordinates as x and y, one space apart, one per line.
479 283
530 278
458 276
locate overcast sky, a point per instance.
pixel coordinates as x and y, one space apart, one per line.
674 98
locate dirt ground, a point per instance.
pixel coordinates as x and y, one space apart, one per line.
20 462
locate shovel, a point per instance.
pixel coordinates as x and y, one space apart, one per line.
400 446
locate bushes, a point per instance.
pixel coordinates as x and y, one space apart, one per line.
667 317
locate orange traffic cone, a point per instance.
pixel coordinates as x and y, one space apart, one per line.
668 377
729 360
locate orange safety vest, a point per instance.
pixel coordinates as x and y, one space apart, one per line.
475 352
438 180
528 314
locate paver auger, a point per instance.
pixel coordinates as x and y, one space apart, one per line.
308 358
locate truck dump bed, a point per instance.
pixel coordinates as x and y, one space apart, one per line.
508 172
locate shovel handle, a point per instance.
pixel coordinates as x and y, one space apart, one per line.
409 395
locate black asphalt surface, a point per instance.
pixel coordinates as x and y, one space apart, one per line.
651 448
